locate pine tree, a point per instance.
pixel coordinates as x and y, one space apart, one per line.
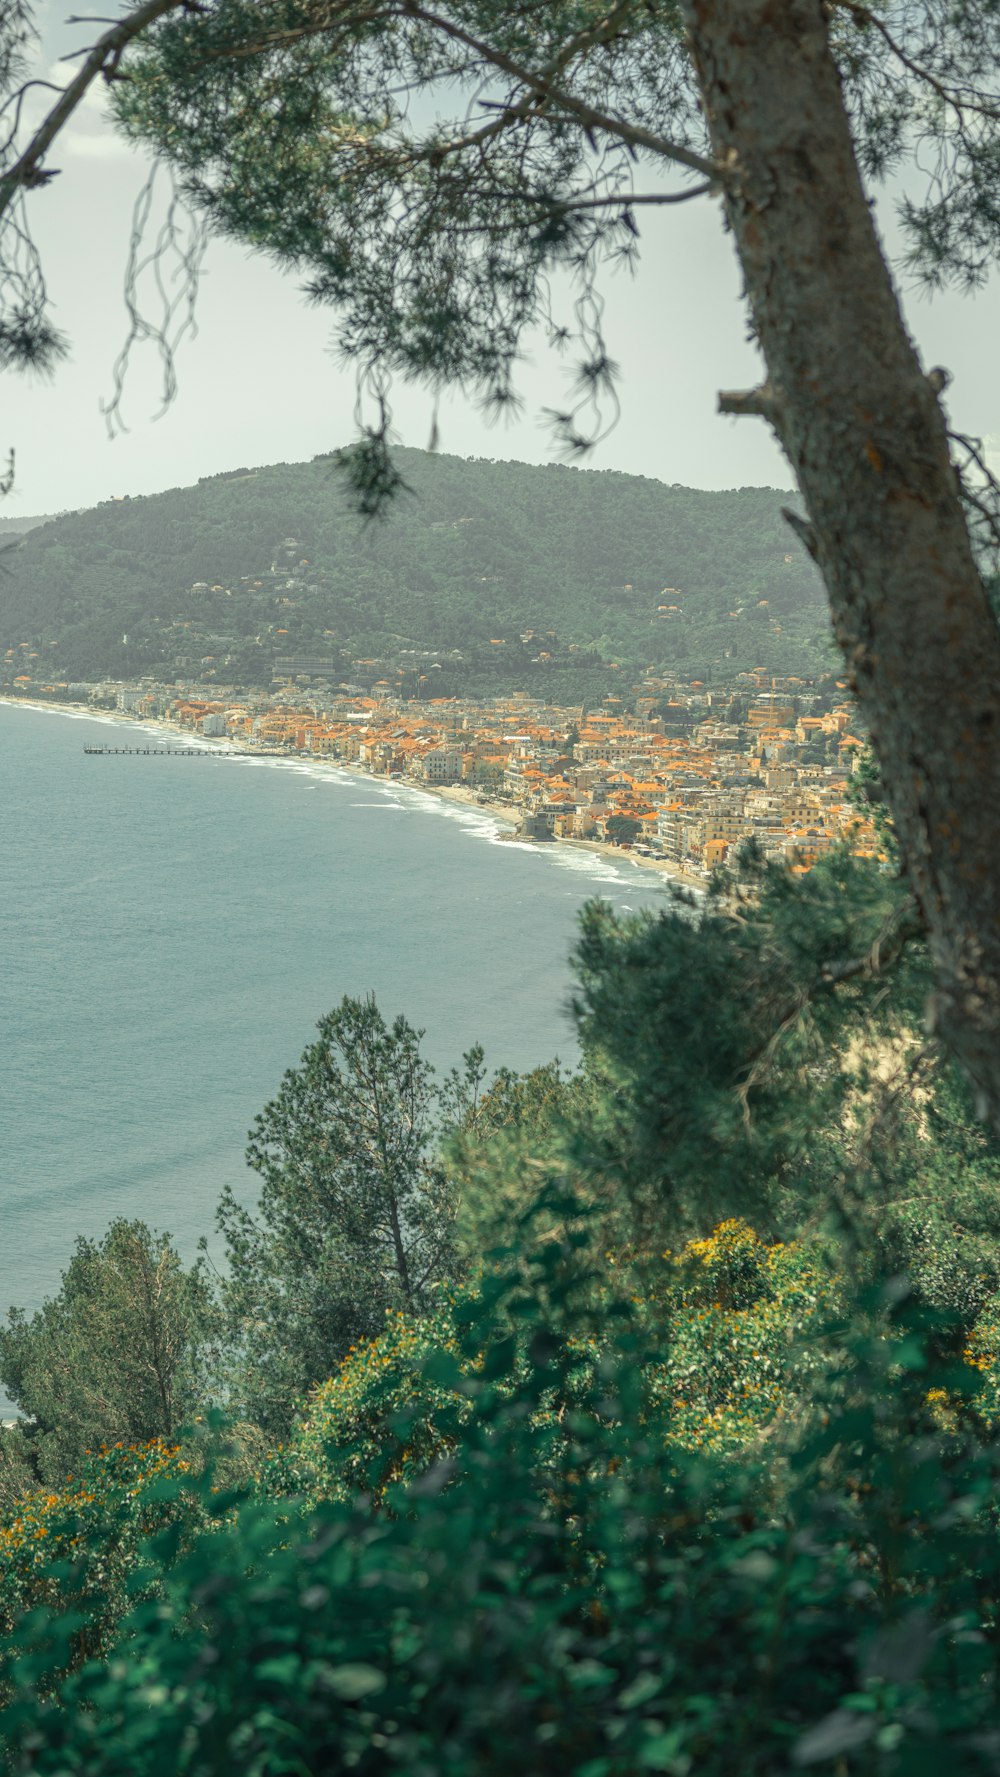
119 1354
354 1218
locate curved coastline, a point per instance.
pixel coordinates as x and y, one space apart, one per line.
457 795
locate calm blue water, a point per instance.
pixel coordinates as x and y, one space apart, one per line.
171 931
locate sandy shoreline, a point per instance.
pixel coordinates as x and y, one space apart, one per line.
502 811
455 793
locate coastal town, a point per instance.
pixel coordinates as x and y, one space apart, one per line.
679 774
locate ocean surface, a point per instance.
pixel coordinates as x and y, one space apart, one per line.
171 929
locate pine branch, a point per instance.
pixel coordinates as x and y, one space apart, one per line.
959 103
553 96
103 58
902 926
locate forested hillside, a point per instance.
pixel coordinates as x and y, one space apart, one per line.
271 562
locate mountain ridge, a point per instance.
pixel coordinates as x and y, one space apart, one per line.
603 571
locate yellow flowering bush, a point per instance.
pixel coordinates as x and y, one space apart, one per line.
736 1316
974 1397
348 1440
731 1267
77 1547
400 1402
982 1354
744 1323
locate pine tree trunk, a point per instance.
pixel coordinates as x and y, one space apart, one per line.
863 431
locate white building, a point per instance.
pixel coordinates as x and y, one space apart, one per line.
442 765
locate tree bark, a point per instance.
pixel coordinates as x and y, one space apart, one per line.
862 428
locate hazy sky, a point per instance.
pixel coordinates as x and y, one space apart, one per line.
260 384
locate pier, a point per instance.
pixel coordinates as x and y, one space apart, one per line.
184 753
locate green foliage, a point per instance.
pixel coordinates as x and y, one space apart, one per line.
865 791
482 550
512 1138
434 238
599 1506
528 1105
370 474
729 1047
18 1474
569 1588
390 1410
488 777
732 1343
118 1356
353 1217
746 1339
622 829
75 1550
938 1198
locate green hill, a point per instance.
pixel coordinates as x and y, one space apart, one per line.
220 579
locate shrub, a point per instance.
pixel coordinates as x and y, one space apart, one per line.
571 1592
75 1550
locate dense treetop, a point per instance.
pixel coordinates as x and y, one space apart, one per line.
477 551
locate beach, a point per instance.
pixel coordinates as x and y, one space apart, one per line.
456 793
503 811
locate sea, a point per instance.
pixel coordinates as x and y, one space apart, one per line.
171 929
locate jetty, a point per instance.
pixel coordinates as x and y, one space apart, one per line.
185 753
